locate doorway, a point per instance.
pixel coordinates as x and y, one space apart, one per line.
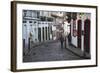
39 34
87 35
79 33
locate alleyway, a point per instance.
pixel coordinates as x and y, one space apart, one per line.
49 52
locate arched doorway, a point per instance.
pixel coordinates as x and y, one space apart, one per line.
79 33
87 35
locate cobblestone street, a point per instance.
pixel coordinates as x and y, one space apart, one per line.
49 52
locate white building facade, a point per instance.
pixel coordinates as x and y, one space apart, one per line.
37 27
79 29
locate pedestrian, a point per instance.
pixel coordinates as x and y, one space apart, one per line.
69 38
61 39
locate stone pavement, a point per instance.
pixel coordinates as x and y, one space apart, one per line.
50 52
78 52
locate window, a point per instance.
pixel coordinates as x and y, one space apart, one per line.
38 14
74 16
34 22
24 13
68 17
30 21
50 19
42 18
24 21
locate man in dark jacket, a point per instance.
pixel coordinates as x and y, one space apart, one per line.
61 40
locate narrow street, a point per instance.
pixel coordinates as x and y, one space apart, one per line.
42 27
49 52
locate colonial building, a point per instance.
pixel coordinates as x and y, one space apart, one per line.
37 27
80 31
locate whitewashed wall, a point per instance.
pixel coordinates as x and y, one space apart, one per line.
75 39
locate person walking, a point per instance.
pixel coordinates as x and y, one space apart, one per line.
61 39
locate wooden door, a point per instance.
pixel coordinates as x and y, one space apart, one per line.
87 35
79 33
